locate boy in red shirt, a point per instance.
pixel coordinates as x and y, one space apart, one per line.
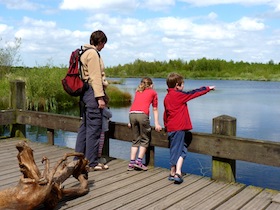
177 121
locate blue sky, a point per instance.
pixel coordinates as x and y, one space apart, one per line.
238 30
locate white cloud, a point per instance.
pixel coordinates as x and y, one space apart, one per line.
151 39
38 23
174 26
249 24
132 34
157 4
4 28
98 4
212 16
20 4
241 2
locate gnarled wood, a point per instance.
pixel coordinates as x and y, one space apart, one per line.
35 188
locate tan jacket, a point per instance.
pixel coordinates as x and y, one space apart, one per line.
92 67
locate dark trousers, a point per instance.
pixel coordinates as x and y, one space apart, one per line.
90 129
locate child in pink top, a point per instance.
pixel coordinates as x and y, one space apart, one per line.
145 96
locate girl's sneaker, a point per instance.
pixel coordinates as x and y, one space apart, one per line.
140 165
130 167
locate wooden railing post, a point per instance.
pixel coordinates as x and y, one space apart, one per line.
150 154
222 168
50 136
17 101
106 147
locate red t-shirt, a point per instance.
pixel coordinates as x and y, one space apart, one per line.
143 100
176 114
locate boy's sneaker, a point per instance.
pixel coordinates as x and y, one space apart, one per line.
130 167
140 165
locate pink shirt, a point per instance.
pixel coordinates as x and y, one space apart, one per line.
143 100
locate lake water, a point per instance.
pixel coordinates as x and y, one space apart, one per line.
255 105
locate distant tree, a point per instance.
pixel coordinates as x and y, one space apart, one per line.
9 55
271 62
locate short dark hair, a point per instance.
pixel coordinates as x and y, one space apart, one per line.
97 37
173 79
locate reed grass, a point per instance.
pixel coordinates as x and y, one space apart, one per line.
44 91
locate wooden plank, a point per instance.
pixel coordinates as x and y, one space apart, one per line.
119 190
235 148
273 206
122 189
240 199
137 190
219 197
276 198
261 201
199 196
48 120
7 117
169 194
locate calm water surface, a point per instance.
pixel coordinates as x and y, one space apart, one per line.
255 105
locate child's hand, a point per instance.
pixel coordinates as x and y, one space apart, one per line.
212 87
158 128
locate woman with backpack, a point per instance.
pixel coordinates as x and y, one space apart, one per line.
93 99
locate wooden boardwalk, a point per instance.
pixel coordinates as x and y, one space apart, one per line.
118 188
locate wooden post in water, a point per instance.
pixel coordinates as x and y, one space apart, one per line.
17 101
224 169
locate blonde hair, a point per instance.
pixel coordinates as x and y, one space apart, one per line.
145 83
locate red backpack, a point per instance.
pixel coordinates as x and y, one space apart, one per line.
72 82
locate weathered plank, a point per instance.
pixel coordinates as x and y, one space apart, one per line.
7 117
48 120
261 201
122 189
240 199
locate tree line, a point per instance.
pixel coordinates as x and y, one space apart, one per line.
202 68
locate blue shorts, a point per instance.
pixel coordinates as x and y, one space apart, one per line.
177 148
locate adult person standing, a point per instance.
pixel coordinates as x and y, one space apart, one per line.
93 99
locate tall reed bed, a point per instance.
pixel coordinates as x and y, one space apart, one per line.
44 91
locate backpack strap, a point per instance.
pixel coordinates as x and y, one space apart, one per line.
80 62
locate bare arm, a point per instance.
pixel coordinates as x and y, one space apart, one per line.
157 125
